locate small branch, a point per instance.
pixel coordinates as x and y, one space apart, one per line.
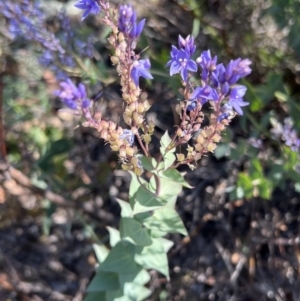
235 275
157 181
142 145
22 180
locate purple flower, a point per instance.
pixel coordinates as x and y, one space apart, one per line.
127 22
188 44
28 20
218 75
137 29
181 63
236 98
140 68
226 112
46 58
237 69
204 94
289 135
207 63
73 97
90 7
128 136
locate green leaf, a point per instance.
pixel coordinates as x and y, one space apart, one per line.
146 201
222 150
165 142
153 257
148 163
120 259
116 296
134 187
114 236
169 159
133 229
165 220
101 252
174 175
265 189
168 190
255 169
104 281
133 284
167 244
95 297
136 292
126 210
140 276
245 182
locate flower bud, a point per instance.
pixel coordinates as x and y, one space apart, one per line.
216 138
104 124
200 139
129 151
115 30
104 134
119 69
134 130
199 147
115 135
137 118
115 148
126 166
127 119
146 105
121 37
112 126
179 132
141 108
211 146
180 157
138 171
147 138
114 60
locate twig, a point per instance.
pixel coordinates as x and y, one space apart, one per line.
235 275
225 256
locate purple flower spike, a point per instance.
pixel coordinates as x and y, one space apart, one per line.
236 98
127 17
188 44
89 6
140 68
204 94
73 97
137 29
181 63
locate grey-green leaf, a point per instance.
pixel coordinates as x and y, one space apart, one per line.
146 201
129 227
101 296
148 163
165 219
120 259
101 252
153 257
104 281
169 159
126 209
165 141
174 175
114 236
